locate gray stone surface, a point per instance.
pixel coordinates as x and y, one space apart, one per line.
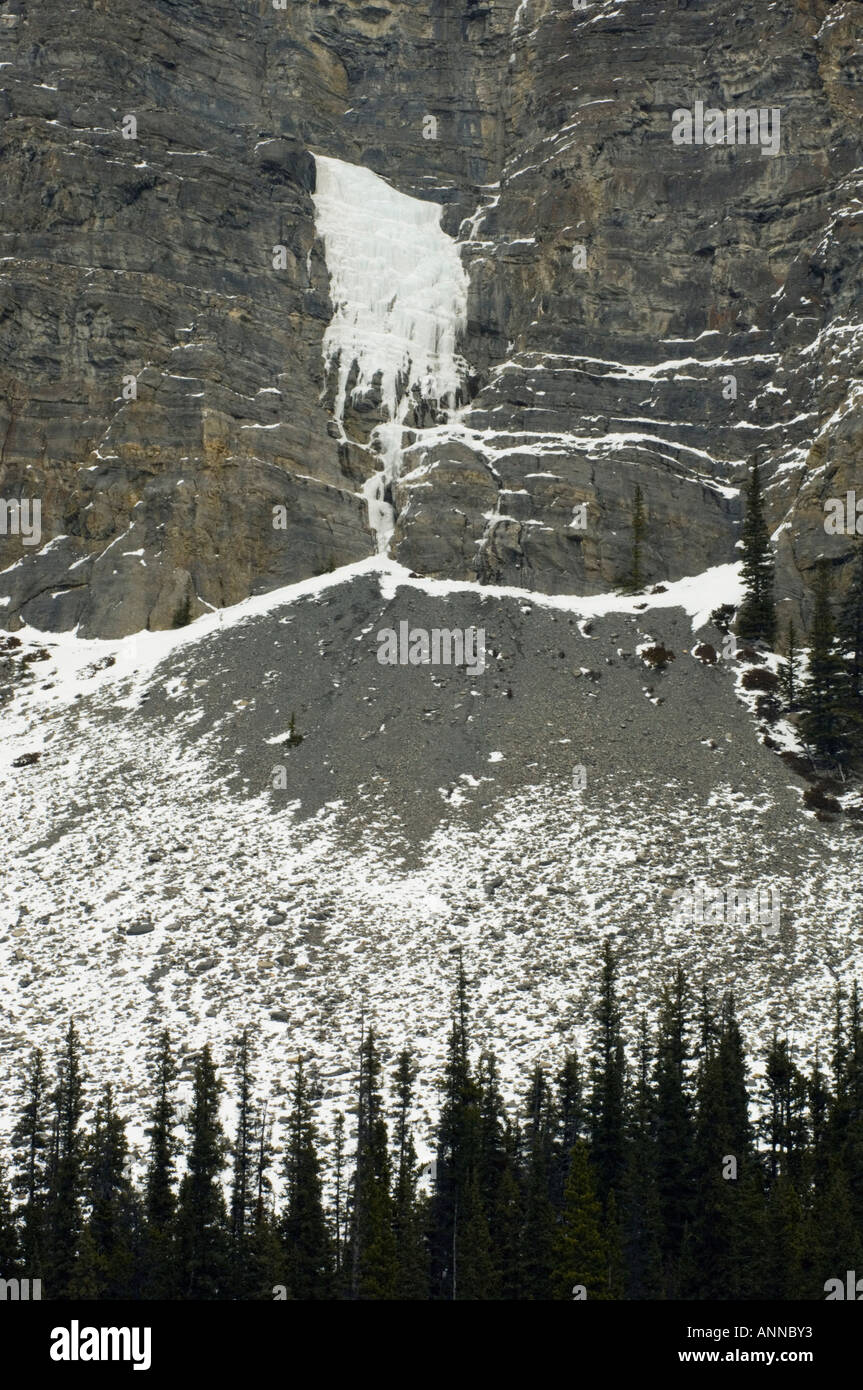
152 258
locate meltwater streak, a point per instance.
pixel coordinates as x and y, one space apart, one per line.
399 294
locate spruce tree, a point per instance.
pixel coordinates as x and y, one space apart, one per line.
159 1184
723 1231
820 1100
673 1126
506 1221
539 1218
408 1208
788 676
612 1231
825 696
305 1234
581 1253
783 1253
243 1151
608 1081
10 1246
340 1206
373 1250
492 1125
641 1218
461 1255
756 620
66 1169
265 1268
835 1237
570 1117
30 1180
850 627
784 1124
203 1248
845 1137
106 1269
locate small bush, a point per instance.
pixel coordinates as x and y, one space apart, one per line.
816 799
749 654
768 708
760 680
721 616
705 652
658 657
797 763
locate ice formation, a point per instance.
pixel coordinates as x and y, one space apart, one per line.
399 294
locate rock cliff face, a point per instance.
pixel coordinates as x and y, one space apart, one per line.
638 311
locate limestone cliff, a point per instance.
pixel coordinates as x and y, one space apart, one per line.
638 311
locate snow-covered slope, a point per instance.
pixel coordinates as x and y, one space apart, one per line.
168 858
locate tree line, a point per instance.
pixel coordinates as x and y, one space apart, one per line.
825 702
656 1172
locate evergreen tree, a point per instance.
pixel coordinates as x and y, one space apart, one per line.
265 1265
673 1126
506 1222
493 1156
845 1138
581 1254
850 627
500 1192
783 1250
340 1207
820 1101
723 1232
825 697
243 1149
641 1217
30 1180
461 1256
608 1082
612 1231
373 1250
784 1125
306 1236
408 1222
159 1190
835 1242
538 1237
788 675
202 1221
66 1169
756 620
106 1266
571 1120
10 1247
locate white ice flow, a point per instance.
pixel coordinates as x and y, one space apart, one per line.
399 293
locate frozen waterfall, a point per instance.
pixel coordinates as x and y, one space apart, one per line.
399 294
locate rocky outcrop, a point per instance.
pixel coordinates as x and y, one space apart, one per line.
640 312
